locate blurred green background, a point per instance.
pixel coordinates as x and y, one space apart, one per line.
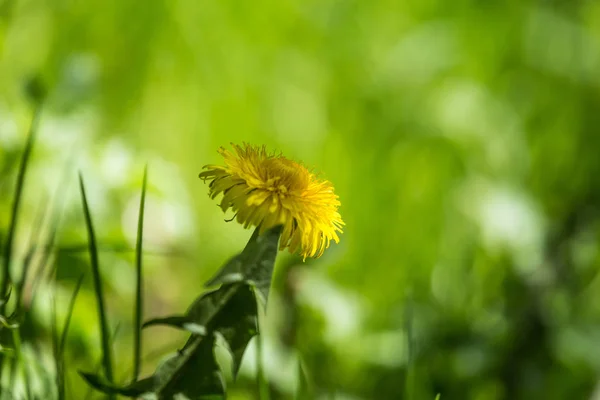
462 138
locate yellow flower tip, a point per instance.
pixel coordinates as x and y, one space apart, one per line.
265 189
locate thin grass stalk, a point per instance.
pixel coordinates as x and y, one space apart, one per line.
139 292
12 227
31 250
36 283
14 215
46 257
46 270
104 327
14 364
45 261
54 212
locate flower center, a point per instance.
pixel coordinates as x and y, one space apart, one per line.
285 176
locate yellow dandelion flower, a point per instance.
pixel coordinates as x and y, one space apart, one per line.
267 190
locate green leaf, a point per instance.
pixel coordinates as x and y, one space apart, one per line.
259 260
136 389
230 310
180 322
238 323
194 374
229 273
254 264
8 323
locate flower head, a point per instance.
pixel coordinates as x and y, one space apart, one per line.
266 190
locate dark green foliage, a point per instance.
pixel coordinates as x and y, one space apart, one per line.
195 375
230 311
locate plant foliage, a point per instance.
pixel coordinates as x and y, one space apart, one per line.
229 311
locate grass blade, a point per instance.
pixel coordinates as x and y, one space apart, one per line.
139 293
31 251
104 329
8 244
12 228
48 248
63 340
54 212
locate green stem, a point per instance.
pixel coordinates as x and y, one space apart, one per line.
139 298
